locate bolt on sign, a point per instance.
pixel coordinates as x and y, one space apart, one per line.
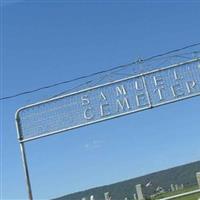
121 97
111 100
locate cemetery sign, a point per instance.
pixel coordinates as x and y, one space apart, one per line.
110 100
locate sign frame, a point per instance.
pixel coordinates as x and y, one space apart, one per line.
142 75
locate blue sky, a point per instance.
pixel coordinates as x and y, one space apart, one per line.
50 41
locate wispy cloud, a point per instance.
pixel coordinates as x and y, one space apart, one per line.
93 144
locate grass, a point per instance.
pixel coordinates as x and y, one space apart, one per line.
189 197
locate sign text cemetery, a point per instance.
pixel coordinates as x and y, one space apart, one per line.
110 100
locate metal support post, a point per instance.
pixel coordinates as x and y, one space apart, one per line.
24 160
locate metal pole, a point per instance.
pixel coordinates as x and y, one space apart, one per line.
25 165
23 154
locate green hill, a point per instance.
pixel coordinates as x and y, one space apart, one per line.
184 174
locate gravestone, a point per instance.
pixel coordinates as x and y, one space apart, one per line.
182 186
176 187
83 198
139 192
172 188
107 196
92 197
198 178
135 196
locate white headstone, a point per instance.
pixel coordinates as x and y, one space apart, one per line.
92 197
172 188
135 196
139 192
83 198
198 178
176 187
182 186
107 196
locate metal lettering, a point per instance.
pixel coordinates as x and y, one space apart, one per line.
103 96
159 82
104 110
88 114
176 90
139 99
137 87
190 86
85 100
177 76
123 104
121 90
